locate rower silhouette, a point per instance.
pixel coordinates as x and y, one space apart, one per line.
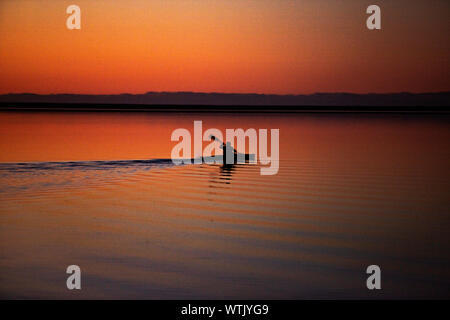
229 153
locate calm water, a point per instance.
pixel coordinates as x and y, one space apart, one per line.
352 190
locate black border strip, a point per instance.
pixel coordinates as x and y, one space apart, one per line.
27 106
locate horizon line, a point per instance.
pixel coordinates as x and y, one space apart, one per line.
232 93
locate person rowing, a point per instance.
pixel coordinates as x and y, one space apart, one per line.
227 149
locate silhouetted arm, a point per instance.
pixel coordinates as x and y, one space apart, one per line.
223 146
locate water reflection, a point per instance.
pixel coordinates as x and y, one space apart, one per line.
226 172
350 192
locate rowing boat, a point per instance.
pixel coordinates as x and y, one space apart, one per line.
238 158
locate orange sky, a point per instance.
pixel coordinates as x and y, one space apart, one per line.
260 46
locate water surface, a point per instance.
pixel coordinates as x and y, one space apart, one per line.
98 190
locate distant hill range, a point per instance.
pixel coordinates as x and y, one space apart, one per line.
189 99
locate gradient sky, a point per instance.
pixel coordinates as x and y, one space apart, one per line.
261 46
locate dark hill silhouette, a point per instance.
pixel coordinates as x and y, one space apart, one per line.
222 100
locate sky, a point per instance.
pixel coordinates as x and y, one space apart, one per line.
240 46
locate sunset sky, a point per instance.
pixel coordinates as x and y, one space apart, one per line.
260 46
